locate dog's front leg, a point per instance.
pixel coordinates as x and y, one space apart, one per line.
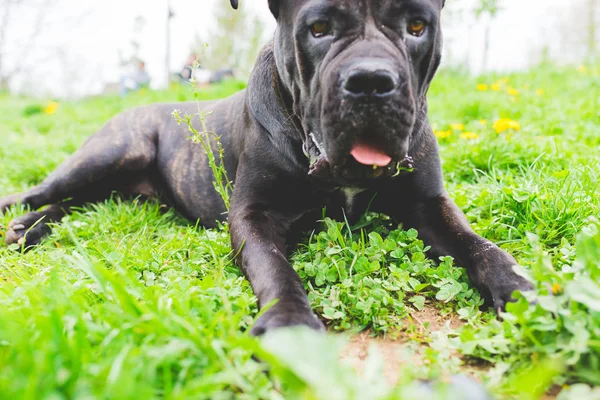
444 227
258 238
265 204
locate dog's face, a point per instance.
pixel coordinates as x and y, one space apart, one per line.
358 71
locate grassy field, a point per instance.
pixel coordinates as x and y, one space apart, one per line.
128 300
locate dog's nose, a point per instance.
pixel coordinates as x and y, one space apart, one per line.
370 82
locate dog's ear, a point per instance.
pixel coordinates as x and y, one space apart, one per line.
273 6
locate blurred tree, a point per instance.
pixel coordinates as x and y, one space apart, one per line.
234 43
170 15
488 8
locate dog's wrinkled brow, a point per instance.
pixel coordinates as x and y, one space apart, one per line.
433 4
320 10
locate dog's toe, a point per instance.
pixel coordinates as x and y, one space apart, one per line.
503 295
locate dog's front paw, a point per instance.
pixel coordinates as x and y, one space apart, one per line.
283 315
501 291
497 279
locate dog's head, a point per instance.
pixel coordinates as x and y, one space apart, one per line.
357 72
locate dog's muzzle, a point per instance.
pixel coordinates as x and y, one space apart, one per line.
320 167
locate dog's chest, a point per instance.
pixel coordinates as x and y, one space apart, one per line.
350 198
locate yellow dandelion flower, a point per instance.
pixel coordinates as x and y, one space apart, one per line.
556 289
504 124
51 108
483 121
582 69
457 127
512 91
540 92
469 136
443 134
495 87
482 87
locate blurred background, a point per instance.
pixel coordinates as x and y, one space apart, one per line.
72 49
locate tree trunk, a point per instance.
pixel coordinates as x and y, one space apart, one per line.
170 15
593 8
486 44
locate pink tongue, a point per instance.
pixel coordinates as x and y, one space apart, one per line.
370 156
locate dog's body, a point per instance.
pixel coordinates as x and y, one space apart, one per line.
340 90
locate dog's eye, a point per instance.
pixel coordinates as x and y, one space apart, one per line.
416 27
320 29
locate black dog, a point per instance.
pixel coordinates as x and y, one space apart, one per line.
335 115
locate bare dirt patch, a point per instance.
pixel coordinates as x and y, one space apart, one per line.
430 319
406 348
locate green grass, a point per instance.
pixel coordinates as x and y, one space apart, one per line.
128 300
